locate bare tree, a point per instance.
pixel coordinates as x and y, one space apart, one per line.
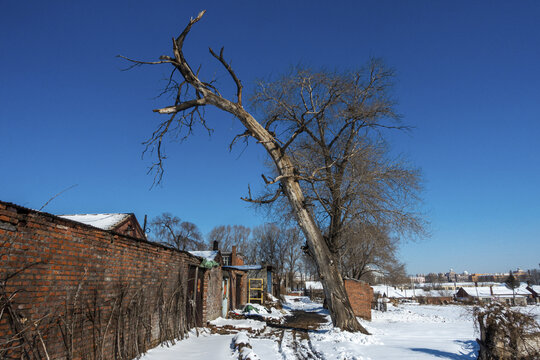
268 241
368 252
328 115
230 235
395 274
171 230
292 239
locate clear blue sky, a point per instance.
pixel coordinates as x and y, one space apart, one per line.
468 80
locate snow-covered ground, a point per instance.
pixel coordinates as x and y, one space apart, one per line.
404 332
422 332
206 346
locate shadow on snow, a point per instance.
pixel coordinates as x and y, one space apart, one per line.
469 351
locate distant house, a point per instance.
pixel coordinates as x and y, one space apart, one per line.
260 281
232 258
424 296
535 293
231 280
388 291
121 223
500 293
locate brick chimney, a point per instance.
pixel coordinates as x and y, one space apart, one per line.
216 245
233 256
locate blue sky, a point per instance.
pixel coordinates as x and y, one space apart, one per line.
468 80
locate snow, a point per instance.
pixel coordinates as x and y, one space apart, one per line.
406 331
102 221
389 291
207 255
301 303
241 338
239 324
498 291
315 285
204 347
266 349
248 354
455 285
259 310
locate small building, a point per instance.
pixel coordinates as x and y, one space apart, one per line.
535 293
487 294
224 288
439 296
388 291
120 223
259 281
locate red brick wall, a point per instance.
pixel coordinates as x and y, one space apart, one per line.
118 295
360 296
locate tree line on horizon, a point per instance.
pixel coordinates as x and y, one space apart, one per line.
283 246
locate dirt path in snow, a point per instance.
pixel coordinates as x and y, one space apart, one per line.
294 342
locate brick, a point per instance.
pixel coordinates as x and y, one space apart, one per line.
110 261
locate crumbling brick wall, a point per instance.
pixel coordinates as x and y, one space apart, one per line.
79 292
360 296
212 294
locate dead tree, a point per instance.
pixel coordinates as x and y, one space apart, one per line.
193 94
172 231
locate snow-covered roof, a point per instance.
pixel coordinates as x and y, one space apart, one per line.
208 255
498 291
456 284
315 285
428 293
390 291
244 267
102 221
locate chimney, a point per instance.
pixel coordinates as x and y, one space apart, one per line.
216 245
233 256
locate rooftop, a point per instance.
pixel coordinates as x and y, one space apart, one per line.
101 221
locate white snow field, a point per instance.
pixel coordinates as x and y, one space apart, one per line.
406 331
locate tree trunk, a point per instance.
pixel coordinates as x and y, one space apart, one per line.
334 288
338 302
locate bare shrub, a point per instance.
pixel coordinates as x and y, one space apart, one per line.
506 334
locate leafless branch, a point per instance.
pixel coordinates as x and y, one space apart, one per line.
139 63
181 107
245 135
231 72
263 200
55 196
